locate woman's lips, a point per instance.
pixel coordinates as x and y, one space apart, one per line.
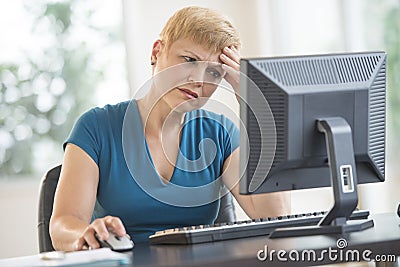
189 93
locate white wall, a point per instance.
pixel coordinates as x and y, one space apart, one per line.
18 209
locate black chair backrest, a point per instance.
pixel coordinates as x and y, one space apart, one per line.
46 198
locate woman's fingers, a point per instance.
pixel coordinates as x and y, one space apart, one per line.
231 57
87 240
81 244
102 227
116 225
91 240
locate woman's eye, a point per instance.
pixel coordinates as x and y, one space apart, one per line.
189 59
214 73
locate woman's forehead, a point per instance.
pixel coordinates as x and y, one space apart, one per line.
199 51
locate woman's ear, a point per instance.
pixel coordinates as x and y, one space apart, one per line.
155 52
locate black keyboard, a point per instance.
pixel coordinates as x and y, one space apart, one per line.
240 229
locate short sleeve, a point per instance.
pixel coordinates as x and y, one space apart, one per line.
85 134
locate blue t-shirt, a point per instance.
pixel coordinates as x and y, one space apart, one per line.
129 186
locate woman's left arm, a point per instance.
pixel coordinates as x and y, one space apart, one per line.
255 205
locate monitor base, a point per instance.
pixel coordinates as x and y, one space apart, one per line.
349 226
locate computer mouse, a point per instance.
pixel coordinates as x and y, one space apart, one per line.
115 242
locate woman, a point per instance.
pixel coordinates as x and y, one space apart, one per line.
121 161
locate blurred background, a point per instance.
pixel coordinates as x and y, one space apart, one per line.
60 58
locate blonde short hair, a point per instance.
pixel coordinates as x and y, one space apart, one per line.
201 25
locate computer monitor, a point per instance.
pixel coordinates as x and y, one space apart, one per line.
314 121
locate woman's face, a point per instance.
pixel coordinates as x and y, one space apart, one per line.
186 74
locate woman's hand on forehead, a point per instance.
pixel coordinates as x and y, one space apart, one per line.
230 58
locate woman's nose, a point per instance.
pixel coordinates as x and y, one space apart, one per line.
197 74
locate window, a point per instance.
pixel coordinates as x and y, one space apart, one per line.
57 59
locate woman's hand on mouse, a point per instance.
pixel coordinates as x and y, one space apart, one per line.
230 58
100 226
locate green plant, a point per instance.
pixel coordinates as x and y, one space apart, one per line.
392 46
42 96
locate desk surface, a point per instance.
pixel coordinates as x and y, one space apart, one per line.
383 240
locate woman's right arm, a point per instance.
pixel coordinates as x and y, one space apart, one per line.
75 197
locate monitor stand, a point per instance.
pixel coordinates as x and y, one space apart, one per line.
340 150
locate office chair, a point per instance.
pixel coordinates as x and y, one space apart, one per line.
48 186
